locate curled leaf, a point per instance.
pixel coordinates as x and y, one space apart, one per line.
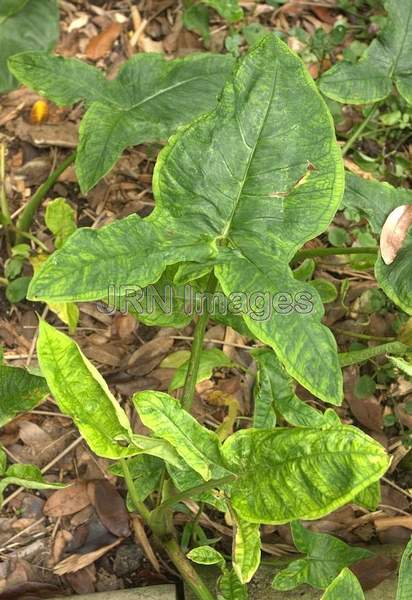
394 232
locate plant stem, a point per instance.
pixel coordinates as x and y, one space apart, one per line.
359 130
314 252
194 361
364 336
4 206
204 487
25 220
168 541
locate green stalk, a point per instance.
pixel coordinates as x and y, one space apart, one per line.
4 205
199 489
25 220
360 129
194 361
364 336
167 539
317 252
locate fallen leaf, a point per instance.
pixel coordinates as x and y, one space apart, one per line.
394 232
372 571
142 539
324 14
110 507
386 522
67 501
75 562
103 42
83 581
353 167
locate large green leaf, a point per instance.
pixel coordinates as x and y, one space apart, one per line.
27 476
376 201
325 557
124 256
276 390
149 99
251 181
405 575
328 467
146 472
81 392
387 61
25 25
198 446
246 549
19 391
262 179
345 586
61 220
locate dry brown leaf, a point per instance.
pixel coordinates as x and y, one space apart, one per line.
75 562
110 507
353 167
67 501
394 232
103 42
324 14
83 581
386 522
372 571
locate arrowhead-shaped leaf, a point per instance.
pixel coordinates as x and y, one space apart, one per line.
230 588
346 585
328 467
198 446
19 391
387 61
252 182
325 557
25 25
206 555
149 99
376 201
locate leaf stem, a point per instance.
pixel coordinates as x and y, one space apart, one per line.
194 361
204 487
314 252
25 220
4 205
168 541
364 336
360 129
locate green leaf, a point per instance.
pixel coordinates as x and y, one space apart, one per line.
329 467
206 555
228 9
346 585
386 62
358 356
405 575
375 201
261 212
209 360
184 478
17 289
146 472
196 18
246 549
370 497
25 25
326 290
27 476
3 461
81 392
325 557
402 364
219 196
276 389
150 98
19 392
198 446
305 271
126 255
230 588
61 220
